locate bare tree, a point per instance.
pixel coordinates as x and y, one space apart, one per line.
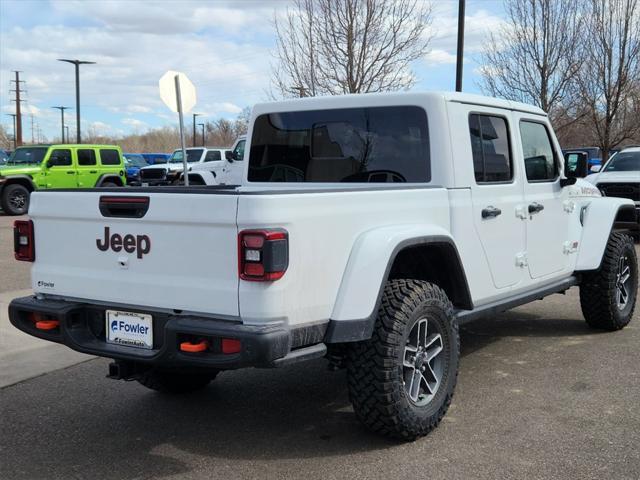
609 81
6 140
536 56
349 46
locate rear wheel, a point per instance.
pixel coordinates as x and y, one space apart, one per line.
109 185
608 295
15 199
175 382
401 381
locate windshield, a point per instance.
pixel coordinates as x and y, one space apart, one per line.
135 160
193 155
29 155
3 157
624 162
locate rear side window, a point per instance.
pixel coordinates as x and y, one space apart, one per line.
380 144
109 157
86 157
60 158
212 156
539 159
490 147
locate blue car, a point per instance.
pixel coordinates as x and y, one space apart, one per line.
133 163
153 158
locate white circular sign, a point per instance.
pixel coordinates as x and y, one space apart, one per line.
167 86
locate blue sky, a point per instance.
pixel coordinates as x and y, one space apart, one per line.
225 47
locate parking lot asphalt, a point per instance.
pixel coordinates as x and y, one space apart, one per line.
539 395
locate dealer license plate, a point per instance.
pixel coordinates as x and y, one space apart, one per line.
130 329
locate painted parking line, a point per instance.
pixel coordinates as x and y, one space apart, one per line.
22 356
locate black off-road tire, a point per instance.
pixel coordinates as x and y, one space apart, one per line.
599 288
109 185
375 367
9 193
175 382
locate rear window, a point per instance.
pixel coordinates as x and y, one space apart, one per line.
212 156
86 157
109 157
380 144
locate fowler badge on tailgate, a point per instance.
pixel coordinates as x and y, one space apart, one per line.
128 328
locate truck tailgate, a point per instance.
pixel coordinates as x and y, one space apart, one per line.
182 254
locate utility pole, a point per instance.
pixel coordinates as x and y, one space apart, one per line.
194 128
18 125
460 53
62 109
32 138
202 125
14 128
77 63
300 90
66 127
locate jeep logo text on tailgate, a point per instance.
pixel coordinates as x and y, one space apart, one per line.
141 244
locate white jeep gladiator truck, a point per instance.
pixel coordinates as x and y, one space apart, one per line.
170 172
226 170
367 228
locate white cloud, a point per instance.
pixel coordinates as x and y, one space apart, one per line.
100 128
135 123
437 57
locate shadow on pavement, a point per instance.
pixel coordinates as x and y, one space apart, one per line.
118 430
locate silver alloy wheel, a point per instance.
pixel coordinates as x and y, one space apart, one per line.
623 280
17 200
422 364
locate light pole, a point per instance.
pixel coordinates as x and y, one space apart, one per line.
62 109
202 125
14 129
77 63
194 128
460 52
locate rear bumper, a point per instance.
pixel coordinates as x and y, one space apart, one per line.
82 327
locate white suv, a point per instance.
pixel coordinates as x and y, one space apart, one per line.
620 177
168 173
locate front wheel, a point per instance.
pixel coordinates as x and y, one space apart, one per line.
401 381
608 295
15 199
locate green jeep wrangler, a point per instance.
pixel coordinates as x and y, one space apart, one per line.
57 166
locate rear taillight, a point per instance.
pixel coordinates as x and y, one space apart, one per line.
24 246
263 255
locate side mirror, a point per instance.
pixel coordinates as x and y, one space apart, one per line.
229 156
565 182
50 163
575 164
595 168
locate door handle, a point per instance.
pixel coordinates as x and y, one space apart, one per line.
93 171
71 173
535 208
490 212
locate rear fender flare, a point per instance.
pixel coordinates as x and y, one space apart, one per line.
109 177
367 272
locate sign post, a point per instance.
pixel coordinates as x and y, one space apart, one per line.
179 94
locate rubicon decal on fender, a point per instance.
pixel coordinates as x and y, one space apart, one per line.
139 244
